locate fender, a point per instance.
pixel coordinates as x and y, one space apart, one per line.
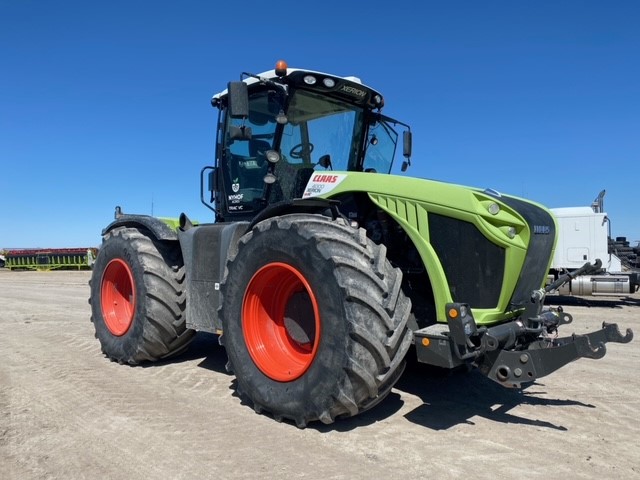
322 206
160 229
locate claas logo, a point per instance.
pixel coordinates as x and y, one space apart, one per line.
325 178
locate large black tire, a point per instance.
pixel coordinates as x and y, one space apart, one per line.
314 319
137 299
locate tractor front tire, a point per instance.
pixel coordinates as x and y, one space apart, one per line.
314 319
137 297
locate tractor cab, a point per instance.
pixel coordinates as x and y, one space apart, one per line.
277 129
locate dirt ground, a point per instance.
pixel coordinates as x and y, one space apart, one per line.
68 412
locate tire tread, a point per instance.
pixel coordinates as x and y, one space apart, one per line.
164 332
378 312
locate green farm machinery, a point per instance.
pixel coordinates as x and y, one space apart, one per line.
45 259
322 271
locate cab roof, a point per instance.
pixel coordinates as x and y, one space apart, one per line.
271 74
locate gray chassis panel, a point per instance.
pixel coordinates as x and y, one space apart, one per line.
205 249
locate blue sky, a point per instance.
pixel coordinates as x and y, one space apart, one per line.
108 103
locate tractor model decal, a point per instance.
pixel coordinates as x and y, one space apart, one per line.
321 184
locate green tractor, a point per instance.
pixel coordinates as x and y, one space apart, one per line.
322 270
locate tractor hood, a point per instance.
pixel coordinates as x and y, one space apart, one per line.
454 227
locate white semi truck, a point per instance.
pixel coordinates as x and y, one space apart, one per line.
583 236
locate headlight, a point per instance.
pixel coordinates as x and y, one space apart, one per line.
272 156
494 208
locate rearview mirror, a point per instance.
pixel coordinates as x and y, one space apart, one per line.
406 143
238 98
406 149
325 162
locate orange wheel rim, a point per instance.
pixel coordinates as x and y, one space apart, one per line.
118 296
281 322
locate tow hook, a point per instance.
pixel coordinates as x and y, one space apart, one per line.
512 368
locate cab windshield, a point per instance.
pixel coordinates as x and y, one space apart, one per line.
319 133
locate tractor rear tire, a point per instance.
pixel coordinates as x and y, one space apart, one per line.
137 297
314 319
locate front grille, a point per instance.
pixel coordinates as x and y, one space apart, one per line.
473 265
536 263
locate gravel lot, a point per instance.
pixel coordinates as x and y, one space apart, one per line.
68 412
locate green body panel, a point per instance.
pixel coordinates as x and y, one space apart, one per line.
171 222
52 259
410 200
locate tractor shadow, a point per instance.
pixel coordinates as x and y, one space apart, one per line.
455 398
203 347
448 398
213 355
